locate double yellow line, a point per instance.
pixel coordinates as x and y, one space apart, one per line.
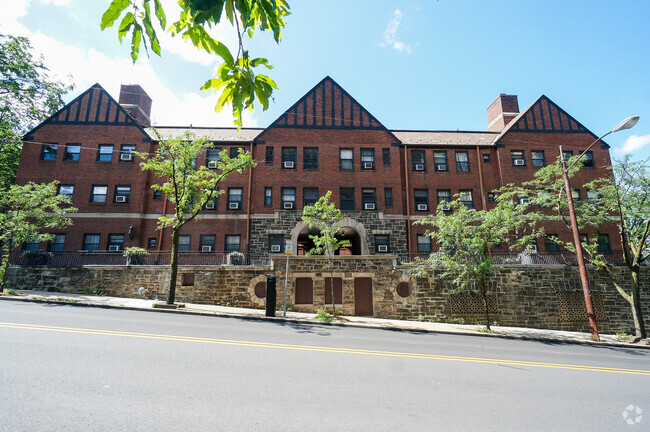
321 349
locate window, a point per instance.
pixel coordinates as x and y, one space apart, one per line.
268 196
492 196
382 243
48 152
466 198
424 244
126 152
57 243
288 198
575 194
462 161
309 196
517 157
346 159
444 196
388 197
269 155
212 157
385 155
213 202
440 161
233 243
67 190
207 242
567 155
151 243
98 194
183 243
122 194
115 242
157 195
417 160
550 244
368 159
72 152
234 152
421 199
486 157
588 159
593 197
235 198
603 243
369 199
32 245
276 243
310 158
105 153
91 242
289 157
584 238
347 199
538 158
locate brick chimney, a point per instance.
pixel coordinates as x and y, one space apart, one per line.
136 102
501 111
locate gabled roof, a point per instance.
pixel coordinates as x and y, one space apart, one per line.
446 138
328 106
95 106
544 115
216 134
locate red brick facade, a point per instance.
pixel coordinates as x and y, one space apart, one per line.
327 119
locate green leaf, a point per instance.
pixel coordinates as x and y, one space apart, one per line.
135 41
125 25
113 13
160 14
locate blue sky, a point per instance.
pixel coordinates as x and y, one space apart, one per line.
413 64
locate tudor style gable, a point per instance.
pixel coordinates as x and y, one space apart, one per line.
546 116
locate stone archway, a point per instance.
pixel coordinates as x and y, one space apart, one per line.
353 230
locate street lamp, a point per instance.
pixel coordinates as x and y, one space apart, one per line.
584 280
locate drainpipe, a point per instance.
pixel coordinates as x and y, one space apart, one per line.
480 178
248 206
499 164
408 205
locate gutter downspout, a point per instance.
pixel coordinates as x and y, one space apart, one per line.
408 206
248 206
480 177
500 170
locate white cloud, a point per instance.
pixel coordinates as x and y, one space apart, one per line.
390 34
11 12
57 2
633 143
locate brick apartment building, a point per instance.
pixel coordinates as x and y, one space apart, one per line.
382 179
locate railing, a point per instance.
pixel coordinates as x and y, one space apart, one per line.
519 258
117 258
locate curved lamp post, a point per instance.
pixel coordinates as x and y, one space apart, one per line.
584 280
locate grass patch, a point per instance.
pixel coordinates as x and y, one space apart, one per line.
9 291
323 316
624 337
483 329
67 300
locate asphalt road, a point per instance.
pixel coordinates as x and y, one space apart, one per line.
71 368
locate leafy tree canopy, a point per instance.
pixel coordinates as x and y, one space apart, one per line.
240 86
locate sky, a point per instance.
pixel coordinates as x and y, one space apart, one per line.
415 65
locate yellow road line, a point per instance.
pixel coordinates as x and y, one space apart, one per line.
322 349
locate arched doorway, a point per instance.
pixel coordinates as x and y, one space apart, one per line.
305 243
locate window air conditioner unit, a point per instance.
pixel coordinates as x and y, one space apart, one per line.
206 248
126 156
210 205
444 206
533 248
367 165
288 205
233 205
275 248
520 162
288 164
422 207
369 206
441 167
382 248
419 167
524 200
120 198
113 248
212 164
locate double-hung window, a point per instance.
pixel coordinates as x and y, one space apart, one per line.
32 245
72 152
105 153
289 198
122 194
207 242
233 243
126 152
48 152
66 190
517 157
289 157
367 159
98 194
276 243
550 244
91 242
235 198
115 242
184 243
212 157
268 158
369 199
388 197
346 159
385 155
466 198
567 155
424 244
603 243
418 160
57 243
440 161
421 199
382 243
444 197
588 159
538 158
309 196
310 157
347 199
462 161
268 196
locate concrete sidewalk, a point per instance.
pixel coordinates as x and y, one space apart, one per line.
369 322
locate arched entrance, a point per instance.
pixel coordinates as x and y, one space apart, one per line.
353 232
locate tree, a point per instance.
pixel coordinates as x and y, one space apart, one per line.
187 186
324 216
238 83
27 96
622 200
465 237
26 213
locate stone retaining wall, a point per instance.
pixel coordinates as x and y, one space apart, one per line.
526 296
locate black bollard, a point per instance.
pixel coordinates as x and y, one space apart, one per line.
270 295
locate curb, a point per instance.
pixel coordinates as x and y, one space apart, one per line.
338 324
